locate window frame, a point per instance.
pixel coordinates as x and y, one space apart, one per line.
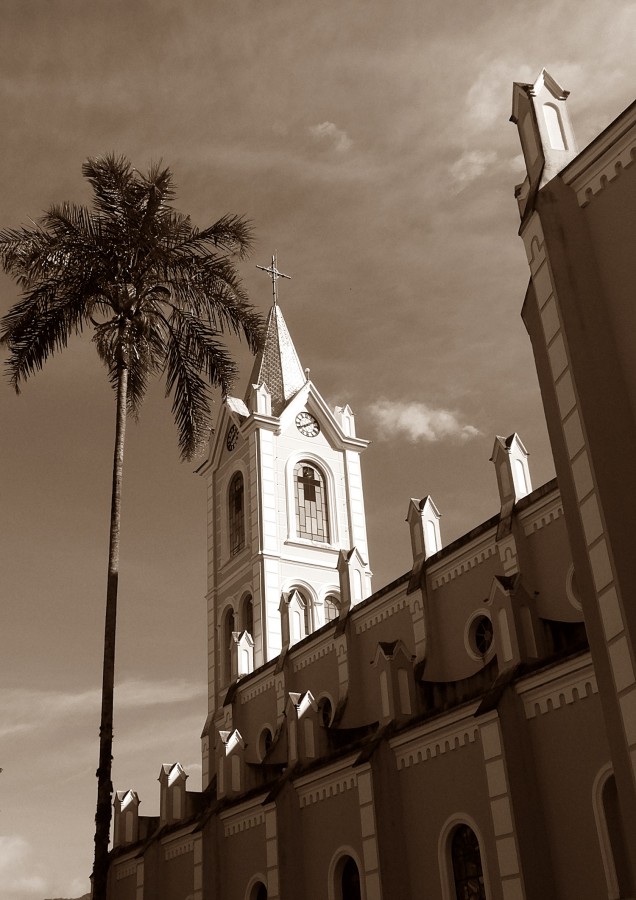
335 873
319 488
444 853
317 462
231 552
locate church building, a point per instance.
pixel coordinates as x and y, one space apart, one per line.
468 731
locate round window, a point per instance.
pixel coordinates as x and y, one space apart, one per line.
265 742
325 712
481 635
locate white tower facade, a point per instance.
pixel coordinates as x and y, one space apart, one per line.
284 499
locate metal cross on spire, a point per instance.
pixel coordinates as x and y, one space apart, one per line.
274 274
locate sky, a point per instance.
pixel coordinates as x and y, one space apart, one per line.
369 143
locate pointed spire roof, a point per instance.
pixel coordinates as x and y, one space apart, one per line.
277 363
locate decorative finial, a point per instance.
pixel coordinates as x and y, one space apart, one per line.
307 371
274 274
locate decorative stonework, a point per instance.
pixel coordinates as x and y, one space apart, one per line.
375 616
459 567
243 823
589 178
332 788
543 518
327 783
573 682
126 869
256 688
434 739
312 654
186 845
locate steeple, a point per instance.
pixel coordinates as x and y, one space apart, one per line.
277 364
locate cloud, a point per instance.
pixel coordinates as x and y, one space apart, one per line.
16 868
489 97
470 166
20 877
329 133
419 422
26 709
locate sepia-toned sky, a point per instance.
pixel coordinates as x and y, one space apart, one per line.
369 143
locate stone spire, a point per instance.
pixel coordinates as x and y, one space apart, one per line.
277 364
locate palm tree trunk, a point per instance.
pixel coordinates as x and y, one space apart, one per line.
104 771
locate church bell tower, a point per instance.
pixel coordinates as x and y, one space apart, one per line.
285 504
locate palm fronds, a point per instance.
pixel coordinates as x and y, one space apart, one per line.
165 292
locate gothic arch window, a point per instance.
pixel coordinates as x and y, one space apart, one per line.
310 496
236 514
468 876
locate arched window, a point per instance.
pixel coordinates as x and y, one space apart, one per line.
308 616
349 880
258 892
247 614
612 837
228 638
236 514
312 518
332 606
466 859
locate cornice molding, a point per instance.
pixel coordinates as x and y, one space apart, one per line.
435 738
535 519
377 612
237 824
125 869
604 159
327 782
464 561
312 653
254 688
172 850
565 684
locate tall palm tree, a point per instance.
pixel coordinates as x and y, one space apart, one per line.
159 294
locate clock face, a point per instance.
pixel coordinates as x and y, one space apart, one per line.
232 437
307 425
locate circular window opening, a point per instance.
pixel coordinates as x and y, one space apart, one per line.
481 635
265 742
325 710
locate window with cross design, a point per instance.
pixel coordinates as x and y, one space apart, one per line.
312 518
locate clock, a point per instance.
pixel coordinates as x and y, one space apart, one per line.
307 425
232 437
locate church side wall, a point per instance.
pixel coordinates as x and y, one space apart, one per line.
558 731
450 778
546 564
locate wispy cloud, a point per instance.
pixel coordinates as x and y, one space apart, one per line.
22 873
470 166
329 133
17 878
25 709
419 422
